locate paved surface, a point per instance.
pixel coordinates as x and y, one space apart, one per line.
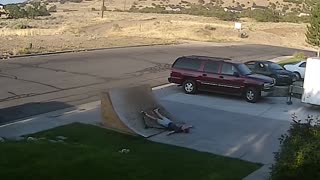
220 129
34 85
224 125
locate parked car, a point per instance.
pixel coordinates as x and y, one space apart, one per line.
273 70
298 69
215 74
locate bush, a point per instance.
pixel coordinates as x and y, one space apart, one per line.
293 18
262 15
210 28
299 156
15 11
299 55
227 16
52 8
20 25
31 11
76 1
116 27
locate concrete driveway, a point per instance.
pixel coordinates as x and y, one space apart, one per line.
230 126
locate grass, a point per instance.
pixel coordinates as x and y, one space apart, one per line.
289 61
91 152
296 58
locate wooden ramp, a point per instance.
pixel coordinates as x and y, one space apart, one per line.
121 110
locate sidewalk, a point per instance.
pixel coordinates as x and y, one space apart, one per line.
87 113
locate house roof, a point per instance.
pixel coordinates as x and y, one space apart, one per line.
238 8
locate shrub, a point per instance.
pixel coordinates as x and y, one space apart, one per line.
210 28
15 11
116 27
227 16
20 25
76 1
69 10
299 55
299 155
52 8
31 11
293 18
262 15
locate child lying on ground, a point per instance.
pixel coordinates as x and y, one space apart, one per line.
167 123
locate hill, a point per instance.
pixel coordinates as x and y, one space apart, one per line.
282 5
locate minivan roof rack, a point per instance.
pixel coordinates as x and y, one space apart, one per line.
208 58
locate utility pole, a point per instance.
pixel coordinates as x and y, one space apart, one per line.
124 5
102 9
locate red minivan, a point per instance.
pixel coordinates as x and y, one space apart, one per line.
221 75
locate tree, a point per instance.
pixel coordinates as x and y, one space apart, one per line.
43 11
31 12
313 30
15 12
310 4
53 8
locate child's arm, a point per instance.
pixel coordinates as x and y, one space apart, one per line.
171 132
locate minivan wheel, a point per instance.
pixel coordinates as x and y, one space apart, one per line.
252 95
189 87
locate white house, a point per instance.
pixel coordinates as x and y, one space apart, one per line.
303 14
1 6
259 7
234 10
168 8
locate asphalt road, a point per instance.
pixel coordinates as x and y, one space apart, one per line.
35 85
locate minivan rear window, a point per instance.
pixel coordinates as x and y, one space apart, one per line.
189 64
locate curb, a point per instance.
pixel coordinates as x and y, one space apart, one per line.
280 58
82 50
261 174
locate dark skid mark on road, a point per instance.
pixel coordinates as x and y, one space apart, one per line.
30 81
61 70
18 96
158 67
155 69
37 94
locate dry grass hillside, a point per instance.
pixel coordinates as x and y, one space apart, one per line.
126 4
76 26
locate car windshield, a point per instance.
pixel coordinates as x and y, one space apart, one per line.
244 69
275 66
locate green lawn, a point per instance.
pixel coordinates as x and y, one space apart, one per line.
93 153
289 61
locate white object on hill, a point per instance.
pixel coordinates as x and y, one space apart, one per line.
238 26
